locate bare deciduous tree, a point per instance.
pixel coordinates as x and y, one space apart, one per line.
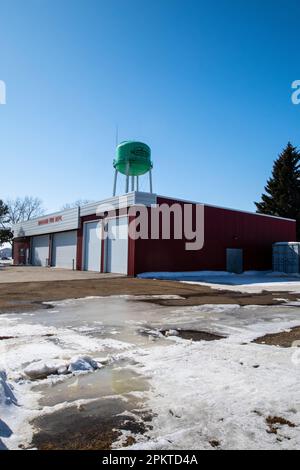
22 209
78 203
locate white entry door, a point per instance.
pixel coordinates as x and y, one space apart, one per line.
92 246
64 248
40 250
117 246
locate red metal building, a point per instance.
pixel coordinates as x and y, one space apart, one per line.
232 240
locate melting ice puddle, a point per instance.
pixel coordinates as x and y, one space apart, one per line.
91 424
109 381
106 327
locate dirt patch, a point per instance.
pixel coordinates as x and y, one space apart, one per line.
284 339
3 338
129 441
207 295
214 443
193 335
274 423
15 306
27 296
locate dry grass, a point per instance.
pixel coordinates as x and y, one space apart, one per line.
284 339
26 296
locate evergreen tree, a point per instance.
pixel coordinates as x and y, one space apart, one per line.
5 233
282 192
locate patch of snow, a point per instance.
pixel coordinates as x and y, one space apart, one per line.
41 369
180 275
32 341
220 391
211 308
11 327
7 399
15 414
256 287
248 282
6 393
83 364
172 333
149 297
68 302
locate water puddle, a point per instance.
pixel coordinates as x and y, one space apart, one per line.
107 406
188 334
90 426
193 335
108 381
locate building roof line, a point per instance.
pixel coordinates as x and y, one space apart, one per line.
226 208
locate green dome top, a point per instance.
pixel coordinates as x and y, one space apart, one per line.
133 158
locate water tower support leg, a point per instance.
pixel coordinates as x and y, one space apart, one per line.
115 183
132 183
127 178
150 180
137 183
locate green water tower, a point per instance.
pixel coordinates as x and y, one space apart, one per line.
133 159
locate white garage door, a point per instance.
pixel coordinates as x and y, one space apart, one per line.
117 246
64 249
92 246
40 250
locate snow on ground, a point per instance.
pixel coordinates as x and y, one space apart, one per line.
7 399
199 392
248 282
221 391
31 343
15 412
224 391
6 262
35 351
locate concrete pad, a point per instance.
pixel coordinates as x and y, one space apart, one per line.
13 274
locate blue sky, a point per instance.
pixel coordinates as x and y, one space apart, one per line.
206 84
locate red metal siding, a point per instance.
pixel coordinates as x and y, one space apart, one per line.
19 249
223 229
254 233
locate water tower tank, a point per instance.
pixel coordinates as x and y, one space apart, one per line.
133 158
